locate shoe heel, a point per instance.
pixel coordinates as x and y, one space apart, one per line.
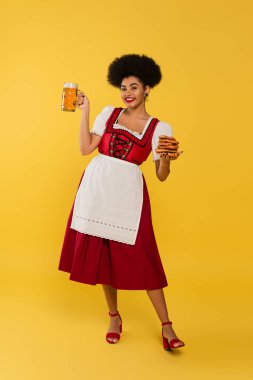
166 345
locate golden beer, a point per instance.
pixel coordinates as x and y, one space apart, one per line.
69 95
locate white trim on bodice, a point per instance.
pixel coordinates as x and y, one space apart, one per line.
134 133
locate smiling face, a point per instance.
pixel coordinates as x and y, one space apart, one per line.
133 91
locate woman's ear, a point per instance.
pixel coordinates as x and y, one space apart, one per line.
147 89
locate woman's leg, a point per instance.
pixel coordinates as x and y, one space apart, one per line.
158 300
111 299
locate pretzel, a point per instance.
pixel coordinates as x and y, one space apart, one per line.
166 140
167 148
165 151
165 137
167 144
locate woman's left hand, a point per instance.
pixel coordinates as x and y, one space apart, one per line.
166 157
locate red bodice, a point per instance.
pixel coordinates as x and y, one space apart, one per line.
122 144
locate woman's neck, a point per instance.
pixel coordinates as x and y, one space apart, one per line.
138 112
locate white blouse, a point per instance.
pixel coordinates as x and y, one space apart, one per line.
162 128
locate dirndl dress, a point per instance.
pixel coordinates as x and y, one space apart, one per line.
109 237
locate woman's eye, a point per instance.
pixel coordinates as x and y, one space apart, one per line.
132 88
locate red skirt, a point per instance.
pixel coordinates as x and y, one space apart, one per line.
95 260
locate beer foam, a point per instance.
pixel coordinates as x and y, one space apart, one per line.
70 85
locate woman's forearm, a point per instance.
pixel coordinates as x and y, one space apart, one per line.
163 170
84 133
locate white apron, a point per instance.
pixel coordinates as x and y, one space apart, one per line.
109 199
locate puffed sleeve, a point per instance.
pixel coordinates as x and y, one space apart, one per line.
162 128
100 120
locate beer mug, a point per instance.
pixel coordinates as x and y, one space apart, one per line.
69 95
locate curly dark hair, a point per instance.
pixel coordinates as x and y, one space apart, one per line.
140 66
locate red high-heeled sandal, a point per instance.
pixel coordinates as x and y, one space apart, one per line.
168 344
114 334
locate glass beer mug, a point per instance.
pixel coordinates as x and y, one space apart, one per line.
69 95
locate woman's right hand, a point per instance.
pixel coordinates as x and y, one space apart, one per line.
82 102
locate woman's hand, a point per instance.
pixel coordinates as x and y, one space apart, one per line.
168 148
82 101
166 157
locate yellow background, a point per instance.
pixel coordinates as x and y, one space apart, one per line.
54 328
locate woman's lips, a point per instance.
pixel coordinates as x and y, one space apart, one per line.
130 100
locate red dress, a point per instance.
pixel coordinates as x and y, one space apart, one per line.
94 260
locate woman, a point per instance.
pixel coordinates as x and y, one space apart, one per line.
109 237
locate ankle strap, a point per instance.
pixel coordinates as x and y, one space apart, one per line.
113 314
167 323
